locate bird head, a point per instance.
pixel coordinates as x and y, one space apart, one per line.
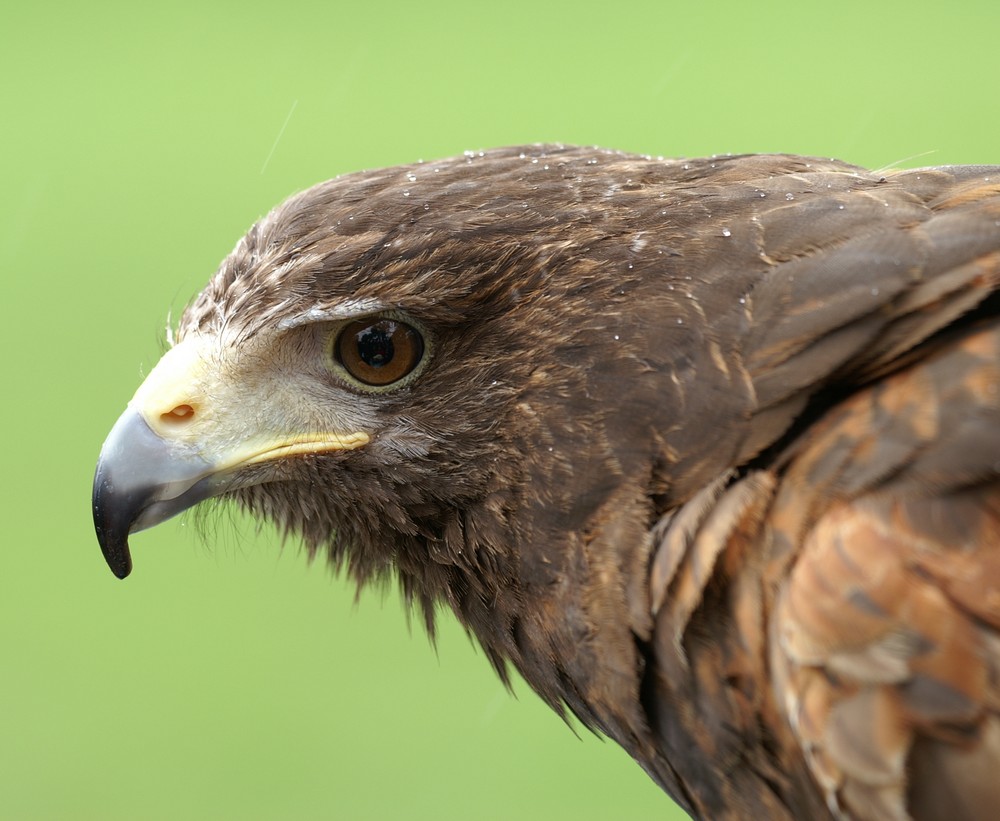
489 377
422 369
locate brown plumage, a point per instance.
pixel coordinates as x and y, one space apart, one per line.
708 450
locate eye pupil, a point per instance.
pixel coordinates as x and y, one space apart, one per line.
375 346
378 351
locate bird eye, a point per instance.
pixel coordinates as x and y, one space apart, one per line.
378 351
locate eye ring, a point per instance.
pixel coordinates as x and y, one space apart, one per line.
378 353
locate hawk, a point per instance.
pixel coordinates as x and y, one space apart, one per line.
708 450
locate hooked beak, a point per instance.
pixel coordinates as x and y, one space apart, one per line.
186 436
141 480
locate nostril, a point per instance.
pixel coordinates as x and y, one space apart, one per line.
179 414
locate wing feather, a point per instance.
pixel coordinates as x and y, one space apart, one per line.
885 632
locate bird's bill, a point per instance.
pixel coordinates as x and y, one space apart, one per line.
185 437
141 480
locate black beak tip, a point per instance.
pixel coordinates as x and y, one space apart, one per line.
112 523
118 559
114 545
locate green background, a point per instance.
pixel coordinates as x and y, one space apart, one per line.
226 678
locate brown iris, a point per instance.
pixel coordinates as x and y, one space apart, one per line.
378 351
